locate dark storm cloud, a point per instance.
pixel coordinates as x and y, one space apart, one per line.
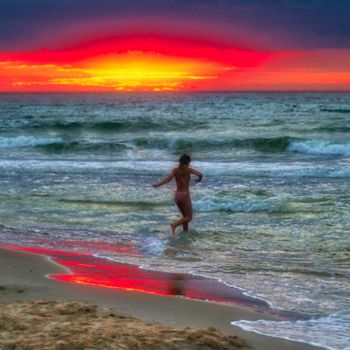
280 23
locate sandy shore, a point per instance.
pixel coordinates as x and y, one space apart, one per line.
41 313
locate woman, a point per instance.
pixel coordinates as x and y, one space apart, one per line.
182 196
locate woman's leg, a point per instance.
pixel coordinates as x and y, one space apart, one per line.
185 225
185 207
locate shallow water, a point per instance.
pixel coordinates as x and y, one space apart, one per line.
271 216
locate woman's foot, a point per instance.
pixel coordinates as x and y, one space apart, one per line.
173 228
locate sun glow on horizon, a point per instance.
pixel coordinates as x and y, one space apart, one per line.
144 63
160 63
131 71
140 71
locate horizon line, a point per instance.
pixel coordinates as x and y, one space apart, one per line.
167 92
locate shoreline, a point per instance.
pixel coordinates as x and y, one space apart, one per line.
86 268
23 278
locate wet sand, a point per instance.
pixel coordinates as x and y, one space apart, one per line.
80 316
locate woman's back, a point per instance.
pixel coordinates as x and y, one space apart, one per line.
182 177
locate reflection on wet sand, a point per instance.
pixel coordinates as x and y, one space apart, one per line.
87 269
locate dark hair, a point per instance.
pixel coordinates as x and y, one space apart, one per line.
185 159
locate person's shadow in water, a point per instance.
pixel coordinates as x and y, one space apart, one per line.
177 284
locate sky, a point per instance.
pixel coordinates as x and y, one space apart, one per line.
181 45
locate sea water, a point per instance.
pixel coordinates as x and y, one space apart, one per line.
271 215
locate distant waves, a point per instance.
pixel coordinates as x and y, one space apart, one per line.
177 144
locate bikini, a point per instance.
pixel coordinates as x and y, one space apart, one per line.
180 196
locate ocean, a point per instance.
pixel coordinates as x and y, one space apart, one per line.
271 214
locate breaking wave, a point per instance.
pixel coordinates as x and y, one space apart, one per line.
320 147
25 141
176 145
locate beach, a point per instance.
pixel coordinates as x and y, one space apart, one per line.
40 313
174 175
271 216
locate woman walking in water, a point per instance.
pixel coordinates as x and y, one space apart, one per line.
182 175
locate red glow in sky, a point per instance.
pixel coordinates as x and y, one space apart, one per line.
167 63
114 45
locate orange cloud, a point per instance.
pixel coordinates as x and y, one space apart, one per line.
160 63
322 69
152 63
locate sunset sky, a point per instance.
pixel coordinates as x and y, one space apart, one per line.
166 45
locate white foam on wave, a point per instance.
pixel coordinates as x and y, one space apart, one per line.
320 147
331 332
210 204
25 141
153 246
161 167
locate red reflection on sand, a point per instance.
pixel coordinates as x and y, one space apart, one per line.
42 251
99 246
87 269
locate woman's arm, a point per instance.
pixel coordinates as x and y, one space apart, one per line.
165 180
198 173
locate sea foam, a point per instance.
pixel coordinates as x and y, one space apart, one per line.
331 332
320 147
159 168
25 141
